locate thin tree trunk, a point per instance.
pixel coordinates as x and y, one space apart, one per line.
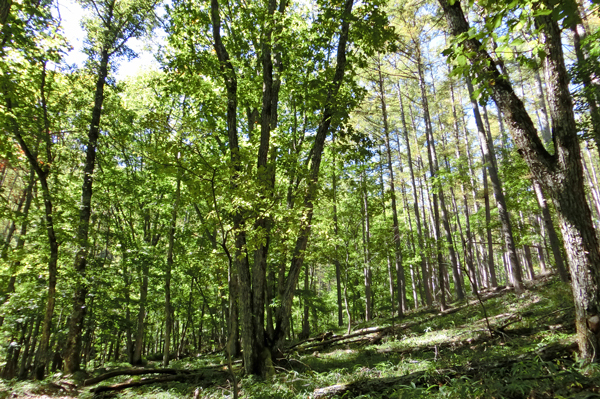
338 271
41 359
29 350
143 271
437 195
73 342
551 232
560 174
589 91
490 160
169 267
367 253
401 290
468 242
546 135
20 240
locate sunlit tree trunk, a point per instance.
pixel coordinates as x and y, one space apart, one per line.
401 289
421 246
550 231
438 201
561 173
468 241
488 152
367 253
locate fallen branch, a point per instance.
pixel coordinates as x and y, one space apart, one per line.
337 338
130 384
442 376
158 380
115 373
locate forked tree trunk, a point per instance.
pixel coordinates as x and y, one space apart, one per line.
285 308
42 354
561 174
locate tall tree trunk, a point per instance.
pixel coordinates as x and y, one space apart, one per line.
438 198
284 310
468 242
389 261
41 358
561 174
29 350
539 194
73 343
168 308
546 135
367 252
487 267
401 289
21 239
589 91
490 161
551 232
338 271
143 271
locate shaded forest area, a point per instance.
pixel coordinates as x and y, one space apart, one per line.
300 182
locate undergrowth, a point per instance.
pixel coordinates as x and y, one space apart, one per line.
437 356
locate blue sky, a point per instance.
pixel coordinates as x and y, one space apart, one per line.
71 15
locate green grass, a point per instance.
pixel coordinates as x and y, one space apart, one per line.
444 356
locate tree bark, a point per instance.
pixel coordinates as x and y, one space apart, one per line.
338 271
468 241
42 171
551 232
401 289
437 195
489 155
589 91
424 272
28 197
73 343
561 173
168 308
285 308
367 252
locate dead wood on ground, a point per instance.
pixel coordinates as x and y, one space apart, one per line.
439 376
209 377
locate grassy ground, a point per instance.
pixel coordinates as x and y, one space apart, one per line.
530 355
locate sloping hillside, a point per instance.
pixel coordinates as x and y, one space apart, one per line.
524 349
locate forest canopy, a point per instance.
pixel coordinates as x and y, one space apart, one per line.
287 169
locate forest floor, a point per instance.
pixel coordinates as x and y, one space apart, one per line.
527 350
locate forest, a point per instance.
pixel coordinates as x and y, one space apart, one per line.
322 198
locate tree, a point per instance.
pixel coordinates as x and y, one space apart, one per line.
116 21
560 173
